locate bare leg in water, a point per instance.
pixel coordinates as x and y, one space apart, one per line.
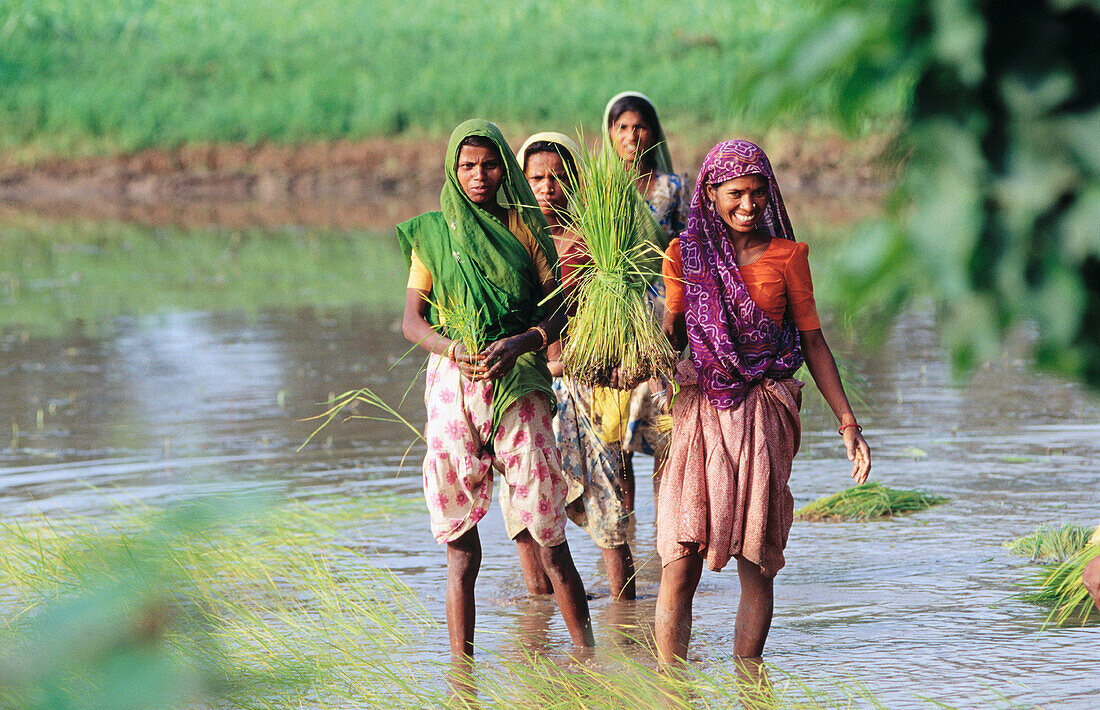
679 580
618 560
628 481
557 562
463 564
672 627
534 576
620 572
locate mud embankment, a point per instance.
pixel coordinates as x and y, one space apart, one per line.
370 184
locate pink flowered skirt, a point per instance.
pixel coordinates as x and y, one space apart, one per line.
459 465
725 487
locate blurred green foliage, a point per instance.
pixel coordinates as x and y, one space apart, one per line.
84 76
996 215
209 603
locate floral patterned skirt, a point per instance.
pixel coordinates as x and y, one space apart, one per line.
459 464
592 467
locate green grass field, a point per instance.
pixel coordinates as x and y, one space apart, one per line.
97 76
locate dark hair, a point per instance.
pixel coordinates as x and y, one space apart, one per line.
480 142
557 149
644 109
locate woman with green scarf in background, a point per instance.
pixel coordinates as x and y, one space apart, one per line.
488 252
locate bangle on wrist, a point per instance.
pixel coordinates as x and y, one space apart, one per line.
541 331
849 426
451 350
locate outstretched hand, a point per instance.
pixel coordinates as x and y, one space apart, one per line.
859 453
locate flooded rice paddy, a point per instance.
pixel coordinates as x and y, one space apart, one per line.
154 366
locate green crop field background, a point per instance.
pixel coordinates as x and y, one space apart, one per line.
96 76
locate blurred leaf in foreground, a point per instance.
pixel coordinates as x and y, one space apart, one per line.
997 215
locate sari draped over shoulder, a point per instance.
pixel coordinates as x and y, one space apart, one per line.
734 344
736 428
477 262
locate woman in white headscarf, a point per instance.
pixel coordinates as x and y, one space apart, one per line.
632 129
550 162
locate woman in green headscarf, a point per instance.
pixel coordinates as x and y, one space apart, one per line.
487 252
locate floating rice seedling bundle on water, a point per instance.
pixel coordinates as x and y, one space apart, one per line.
613 327
1050 543
870 500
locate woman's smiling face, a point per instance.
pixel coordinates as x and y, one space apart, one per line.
740 202
631 136
480 171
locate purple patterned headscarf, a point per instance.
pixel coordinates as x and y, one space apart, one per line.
734 344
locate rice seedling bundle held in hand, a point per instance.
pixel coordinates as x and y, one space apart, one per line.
870 500
613 327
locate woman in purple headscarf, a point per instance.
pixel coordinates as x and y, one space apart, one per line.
739 294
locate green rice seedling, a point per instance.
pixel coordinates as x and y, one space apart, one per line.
867 501
613 327
1063 589
1051 543
352 398
460 322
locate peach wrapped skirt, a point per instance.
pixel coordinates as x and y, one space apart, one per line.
725 488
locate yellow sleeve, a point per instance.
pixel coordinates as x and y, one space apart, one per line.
419 276
542 266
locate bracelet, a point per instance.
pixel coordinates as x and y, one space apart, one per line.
542 332
849 426
451 350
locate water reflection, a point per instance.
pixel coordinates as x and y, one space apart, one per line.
158 406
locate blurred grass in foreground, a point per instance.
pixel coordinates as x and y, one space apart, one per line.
223 604
84 76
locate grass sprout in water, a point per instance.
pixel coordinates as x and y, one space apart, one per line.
613 327
1051 543
350 400
867 501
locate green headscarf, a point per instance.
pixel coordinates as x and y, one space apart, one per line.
477 262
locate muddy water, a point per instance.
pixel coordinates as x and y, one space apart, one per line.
161 403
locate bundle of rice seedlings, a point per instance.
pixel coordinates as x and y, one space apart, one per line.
613 327
1063 589
870 500
1050 543
462 323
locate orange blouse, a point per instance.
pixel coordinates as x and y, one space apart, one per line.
779 279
